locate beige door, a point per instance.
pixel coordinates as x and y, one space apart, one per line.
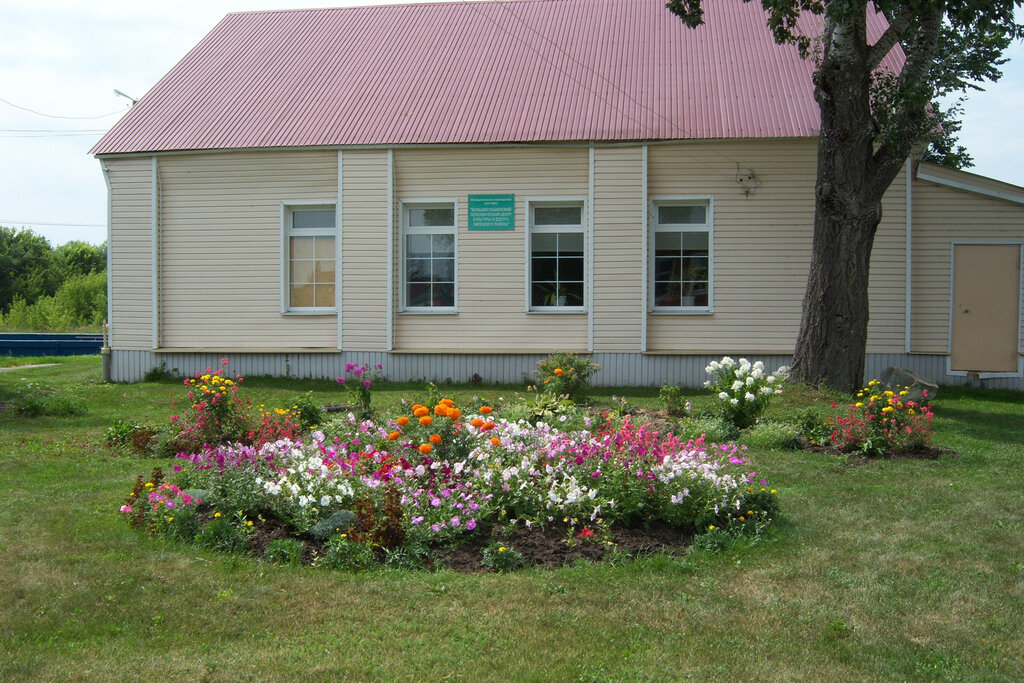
986 307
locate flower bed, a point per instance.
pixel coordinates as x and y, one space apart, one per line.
411 488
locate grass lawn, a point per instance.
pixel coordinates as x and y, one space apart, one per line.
889 569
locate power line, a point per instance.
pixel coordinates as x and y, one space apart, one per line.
56 116
54 225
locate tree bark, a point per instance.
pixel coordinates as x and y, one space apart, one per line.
832 342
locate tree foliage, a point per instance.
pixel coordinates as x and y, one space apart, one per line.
46 289
872 120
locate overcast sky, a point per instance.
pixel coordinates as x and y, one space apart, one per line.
63 60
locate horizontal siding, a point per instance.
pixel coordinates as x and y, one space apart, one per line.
617 369
762 247
618 249
491 268
131 265
220 227
365 249
943 215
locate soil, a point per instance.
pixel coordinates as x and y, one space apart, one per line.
926 452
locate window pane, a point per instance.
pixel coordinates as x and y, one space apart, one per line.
667 293
443 245
324 247
444 294
302 271
668 268
683 214
443 270
544 244
302 247
542 294
573 293
417 270
432 217
545 269
301 296
418 294
325 271
557 215
312 218
419 246
695 243
570 243
666 243
695 269
570 269
325 296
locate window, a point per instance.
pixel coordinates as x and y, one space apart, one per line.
681 270
557 257
310 259
428 254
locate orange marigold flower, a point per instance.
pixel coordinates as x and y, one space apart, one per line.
425 448
495 441
426 420
421 411
394 435
441 409
487 425
448 402
477 422
435 438
485 409
559 372
417 406
402 421
454 413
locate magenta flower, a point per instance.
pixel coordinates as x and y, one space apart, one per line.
367 383
470 525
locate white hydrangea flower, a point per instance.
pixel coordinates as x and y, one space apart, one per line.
749 396
724 396
734 401
738 384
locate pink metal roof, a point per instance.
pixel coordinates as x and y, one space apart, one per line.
476 72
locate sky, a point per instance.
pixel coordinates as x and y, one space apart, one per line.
61 60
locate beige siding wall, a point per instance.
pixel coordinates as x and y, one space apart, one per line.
943 215
131 266
491 270
220 227
618 249
364 225
762 246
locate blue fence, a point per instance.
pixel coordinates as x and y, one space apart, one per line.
49 344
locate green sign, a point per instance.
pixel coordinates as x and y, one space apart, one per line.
492 212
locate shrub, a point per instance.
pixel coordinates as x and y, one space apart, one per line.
880 423
216 413
501 557
710 428
119 433
341 552
309 412
772 435
566 374
286 551
743 390
672 398
359 381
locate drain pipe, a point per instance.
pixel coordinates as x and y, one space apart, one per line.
105 353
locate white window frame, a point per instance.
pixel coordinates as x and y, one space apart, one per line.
531 229
406 229
287 209
707 201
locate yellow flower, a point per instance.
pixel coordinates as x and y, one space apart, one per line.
859 405
904 392
170 519
910 411
344 535
216 514
711 527
149 484
249 523
750 512
280 411
742 518
774 491
889 394
888 409
502 549
860 395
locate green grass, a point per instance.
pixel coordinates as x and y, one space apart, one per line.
890 569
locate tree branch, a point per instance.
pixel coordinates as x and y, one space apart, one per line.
891 36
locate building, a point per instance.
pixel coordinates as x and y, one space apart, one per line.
461 188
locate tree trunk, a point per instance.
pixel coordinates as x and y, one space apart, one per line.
832 342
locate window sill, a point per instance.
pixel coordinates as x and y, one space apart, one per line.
311 311
554 310
697 310
429 311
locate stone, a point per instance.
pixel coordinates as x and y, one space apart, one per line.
896 379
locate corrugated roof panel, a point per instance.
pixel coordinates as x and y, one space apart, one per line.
477 72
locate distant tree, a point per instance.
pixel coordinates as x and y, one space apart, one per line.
80 258
871 121
27 269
